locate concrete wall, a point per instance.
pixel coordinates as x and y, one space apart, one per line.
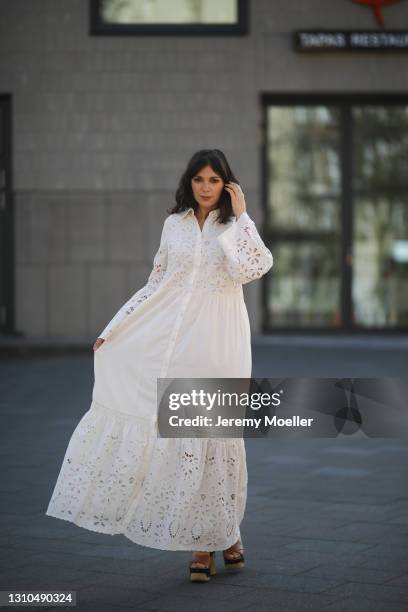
103 128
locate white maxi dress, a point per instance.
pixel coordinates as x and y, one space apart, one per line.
189 321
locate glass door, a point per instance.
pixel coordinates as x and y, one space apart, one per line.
380 216
336 194
303 220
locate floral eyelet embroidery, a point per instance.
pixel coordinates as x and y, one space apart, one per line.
204 479
231 255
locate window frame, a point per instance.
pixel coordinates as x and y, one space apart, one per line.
99 28
345 101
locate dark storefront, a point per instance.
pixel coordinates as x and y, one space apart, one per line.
335 183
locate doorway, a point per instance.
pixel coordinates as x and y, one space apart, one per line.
6 220
335 182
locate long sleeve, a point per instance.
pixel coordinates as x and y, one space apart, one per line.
247 257
153 282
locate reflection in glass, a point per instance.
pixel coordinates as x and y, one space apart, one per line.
380 233
304 170
163 11
304 201
305 287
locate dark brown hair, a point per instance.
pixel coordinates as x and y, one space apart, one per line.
184 194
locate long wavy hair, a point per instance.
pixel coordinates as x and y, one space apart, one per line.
184 194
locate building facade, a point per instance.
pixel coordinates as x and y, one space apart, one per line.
97 127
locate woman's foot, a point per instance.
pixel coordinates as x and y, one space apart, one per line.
234 555
200 559
202 566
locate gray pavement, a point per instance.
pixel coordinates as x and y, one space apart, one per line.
326 524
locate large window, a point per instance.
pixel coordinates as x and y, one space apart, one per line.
336 181
168 17
380 215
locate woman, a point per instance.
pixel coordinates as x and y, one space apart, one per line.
188 321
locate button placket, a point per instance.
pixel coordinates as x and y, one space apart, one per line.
184 303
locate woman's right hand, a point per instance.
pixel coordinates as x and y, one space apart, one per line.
98 343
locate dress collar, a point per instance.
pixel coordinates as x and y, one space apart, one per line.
187 212
190 211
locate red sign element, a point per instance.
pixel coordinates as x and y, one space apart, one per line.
377 5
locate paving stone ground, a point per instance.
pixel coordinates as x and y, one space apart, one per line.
326 524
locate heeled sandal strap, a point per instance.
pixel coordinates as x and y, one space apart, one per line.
202 553
240 556
238 550
238 559
200 570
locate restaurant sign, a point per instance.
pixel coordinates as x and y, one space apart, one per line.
351 40
355 40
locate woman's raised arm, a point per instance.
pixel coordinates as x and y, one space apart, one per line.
246 254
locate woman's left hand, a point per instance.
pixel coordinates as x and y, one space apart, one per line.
237 198
98 343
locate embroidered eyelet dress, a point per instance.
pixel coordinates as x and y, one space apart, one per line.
189 321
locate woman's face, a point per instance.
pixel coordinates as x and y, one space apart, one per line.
207 188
